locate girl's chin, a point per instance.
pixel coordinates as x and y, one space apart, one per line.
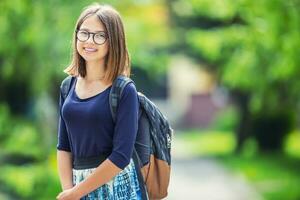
90 55
92 58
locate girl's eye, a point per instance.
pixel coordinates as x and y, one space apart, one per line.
100 35
83 33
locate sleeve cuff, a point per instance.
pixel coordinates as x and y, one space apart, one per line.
63 148
119 160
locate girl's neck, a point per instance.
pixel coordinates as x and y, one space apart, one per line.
94 71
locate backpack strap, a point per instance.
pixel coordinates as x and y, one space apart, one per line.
114 97
115 93
66 86
137 165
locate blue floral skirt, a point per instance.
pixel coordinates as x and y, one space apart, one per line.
124 186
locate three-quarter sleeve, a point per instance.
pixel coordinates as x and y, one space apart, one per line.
62 135
126 126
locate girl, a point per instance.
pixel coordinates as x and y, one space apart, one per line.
94 155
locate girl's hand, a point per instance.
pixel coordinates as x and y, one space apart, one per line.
69 194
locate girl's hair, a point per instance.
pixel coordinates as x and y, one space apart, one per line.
117 60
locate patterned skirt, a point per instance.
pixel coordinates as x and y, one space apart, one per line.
124 186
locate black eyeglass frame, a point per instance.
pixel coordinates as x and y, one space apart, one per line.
91 33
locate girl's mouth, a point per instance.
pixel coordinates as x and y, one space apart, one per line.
89 50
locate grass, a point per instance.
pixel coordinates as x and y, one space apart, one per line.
275 176
208 142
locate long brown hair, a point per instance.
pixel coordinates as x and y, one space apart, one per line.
117 60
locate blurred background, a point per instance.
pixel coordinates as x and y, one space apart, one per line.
226 73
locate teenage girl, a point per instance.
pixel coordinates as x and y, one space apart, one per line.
94 154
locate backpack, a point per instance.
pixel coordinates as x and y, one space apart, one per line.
152 148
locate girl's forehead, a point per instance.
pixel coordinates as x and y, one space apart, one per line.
92 23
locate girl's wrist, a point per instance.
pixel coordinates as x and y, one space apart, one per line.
68 187
78 192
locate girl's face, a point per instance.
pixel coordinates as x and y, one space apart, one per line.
92 40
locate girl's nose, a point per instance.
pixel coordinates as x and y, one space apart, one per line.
90 40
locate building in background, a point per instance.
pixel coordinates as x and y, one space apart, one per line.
193 95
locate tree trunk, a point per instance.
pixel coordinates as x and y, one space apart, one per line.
241 99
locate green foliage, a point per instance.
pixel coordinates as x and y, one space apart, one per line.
253 47
23 140
31 181
36 181
19 136
225 120
5 124
292 146
211 142
147 35
207 142
226 9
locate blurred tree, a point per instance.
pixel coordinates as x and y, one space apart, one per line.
252 47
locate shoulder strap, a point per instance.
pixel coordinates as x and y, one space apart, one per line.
115 93
114 97
66 86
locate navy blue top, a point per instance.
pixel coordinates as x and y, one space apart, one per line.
86 127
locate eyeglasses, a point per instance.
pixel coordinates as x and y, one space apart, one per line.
98 37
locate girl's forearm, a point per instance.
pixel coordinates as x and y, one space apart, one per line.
103 174
64 164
